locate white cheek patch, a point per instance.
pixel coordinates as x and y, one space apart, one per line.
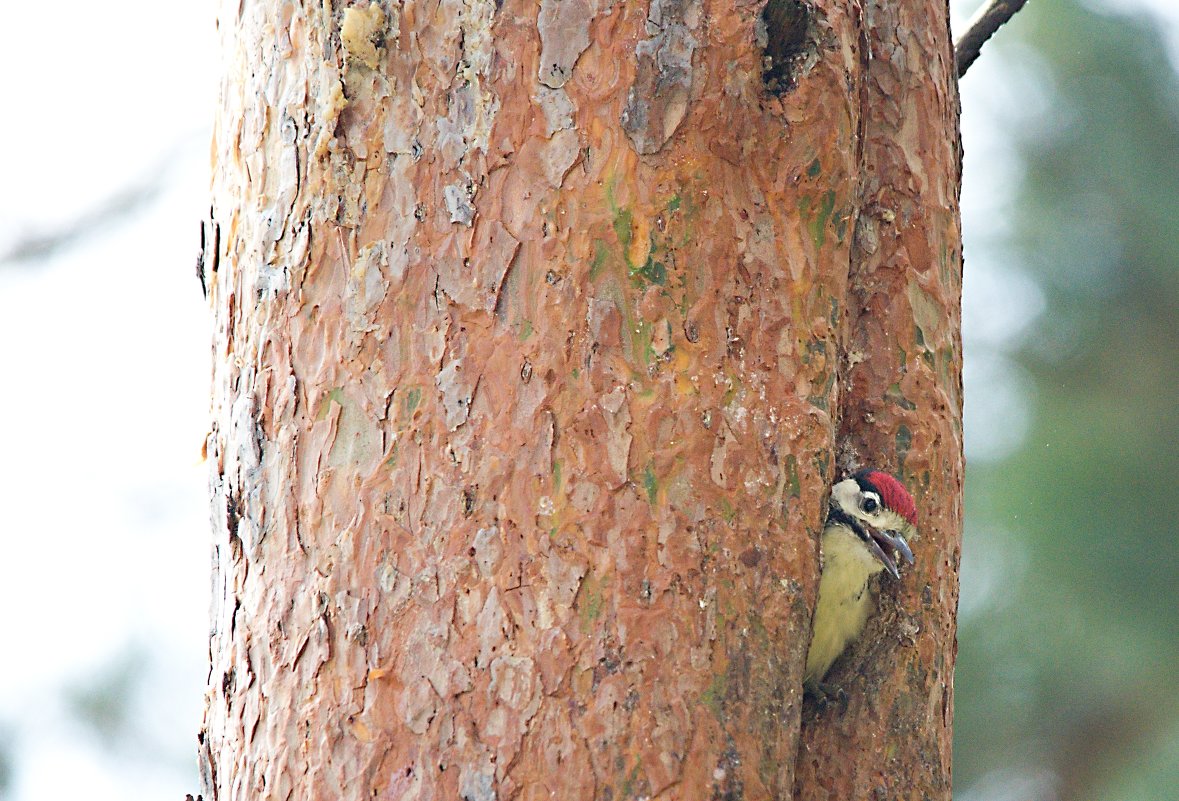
888 520
891 521
846 495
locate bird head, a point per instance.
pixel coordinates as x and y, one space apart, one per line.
880 511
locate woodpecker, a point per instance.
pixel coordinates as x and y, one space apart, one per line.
870 515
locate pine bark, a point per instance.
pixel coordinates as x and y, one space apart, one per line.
541 331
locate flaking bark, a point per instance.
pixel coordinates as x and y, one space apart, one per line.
525 407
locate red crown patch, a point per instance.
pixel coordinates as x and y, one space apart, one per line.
894 495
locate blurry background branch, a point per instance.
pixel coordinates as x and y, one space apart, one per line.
981 27
119 207
34 246
1068 626
1069 635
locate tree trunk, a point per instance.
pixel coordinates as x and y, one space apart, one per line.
538 330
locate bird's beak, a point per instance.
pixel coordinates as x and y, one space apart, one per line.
886 545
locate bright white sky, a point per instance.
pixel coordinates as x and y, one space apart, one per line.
104 392
104 380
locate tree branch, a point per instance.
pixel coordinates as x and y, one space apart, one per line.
33 246
982 25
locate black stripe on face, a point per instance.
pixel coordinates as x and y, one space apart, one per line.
861 478
837 515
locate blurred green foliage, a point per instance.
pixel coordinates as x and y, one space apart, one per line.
105 701
1067 669
7 758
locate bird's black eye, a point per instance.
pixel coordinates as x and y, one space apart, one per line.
869 504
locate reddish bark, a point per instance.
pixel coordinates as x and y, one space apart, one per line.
531 329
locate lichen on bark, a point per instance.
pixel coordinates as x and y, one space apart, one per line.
532 339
